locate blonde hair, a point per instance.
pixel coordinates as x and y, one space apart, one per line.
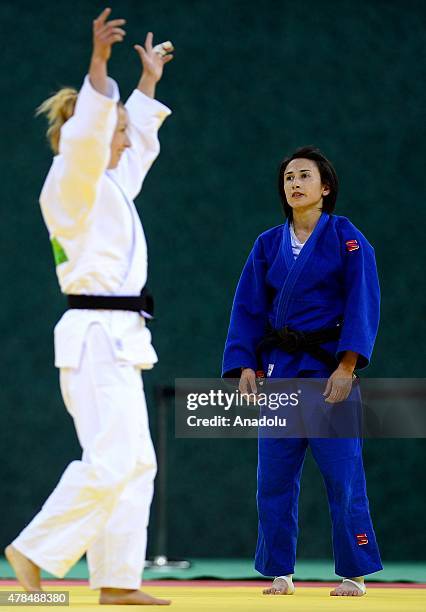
58 109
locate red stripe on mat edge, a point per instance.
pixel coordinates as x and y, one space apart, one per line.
229 583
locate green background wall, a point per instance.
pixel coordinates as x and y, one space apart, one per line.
250 82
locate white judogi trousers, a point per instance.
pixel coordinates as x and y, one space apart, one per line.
101 503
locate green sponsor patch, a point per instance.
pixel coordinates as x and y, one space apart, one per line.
58 252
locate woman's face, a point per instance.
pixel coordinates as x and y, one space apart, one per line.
120 140
302 184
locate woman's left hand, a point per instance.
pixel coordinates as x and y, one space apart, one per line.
152 62
339 385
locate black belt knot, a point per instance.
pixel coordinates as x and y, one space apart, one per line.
290 340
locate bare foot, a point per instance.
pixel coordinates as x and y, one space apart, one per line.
130 597
348 589
27 572
280 586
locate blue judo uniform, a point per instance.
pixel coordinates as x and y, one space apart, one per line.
332 282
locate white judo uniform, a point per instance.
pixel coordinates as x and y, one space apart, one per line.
101 503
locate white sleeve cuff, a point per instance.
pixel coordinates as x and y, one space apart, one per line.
113 92
140 102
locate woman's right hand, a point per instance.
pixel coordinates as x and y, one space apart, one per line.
248 382
105 34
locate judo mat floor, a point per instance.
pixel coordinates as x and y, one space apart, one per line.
242 569
200 596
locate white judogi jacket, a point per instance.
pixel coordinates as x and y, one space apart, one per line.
96 233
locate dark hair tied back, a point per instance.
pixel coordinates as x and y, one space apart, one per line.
327 173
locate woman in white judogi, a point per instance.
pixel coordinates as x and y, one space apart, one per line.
104 151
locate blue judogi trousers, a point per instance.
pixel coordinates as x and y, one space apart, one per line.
279 470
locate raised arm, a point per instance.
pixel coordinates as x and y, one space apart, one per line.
145 116
105 34
153 60
85 139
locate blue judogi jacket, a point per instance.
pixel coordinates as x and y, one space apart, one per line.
333 281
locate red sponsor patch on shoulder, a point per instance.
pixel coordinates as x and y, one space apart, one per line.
352 245
362 539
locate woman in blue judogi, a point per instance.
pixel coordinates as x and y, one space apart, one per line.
315 274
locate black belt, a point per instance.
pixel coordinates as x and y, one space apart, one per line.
143 303
292 341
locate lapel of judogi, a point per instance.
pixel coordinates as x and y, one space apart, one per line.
295 266
128 280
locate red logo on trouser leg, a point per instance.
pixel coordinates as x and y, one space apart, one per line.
362 539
